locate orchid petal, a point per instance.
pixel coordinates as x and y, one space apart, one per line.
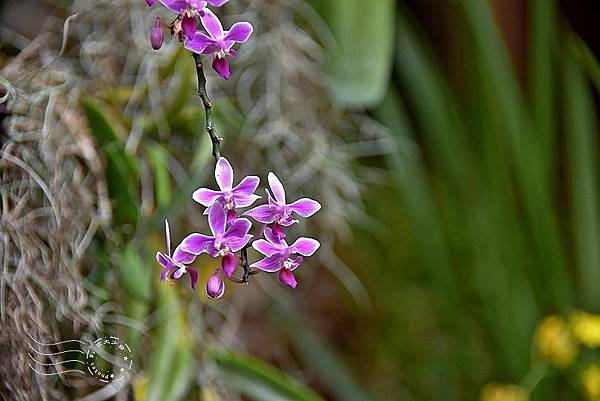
277 188
270 198
177 6
201 43
217 220
275 238
237 243
245 201
211 250
206 197
229 263
221 66
265 247
224 174
181 256
178 273
287 221
189 25
168 237
193 277
198 5
287 277
231 216
263 214
269 264
305 246
196 243
217 3
305 207
247 186
239 32
297 262
165 273
277 233
212 24
238 229
150 2
164 260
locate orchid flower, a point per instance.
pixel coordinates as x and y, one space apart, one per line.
223 242
278 255
215 287
219 43
175 266
188 10
278 212
242 195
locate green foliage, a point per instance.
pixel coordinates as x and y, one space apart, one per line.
171 363
362 60
121 170
259 380
492 221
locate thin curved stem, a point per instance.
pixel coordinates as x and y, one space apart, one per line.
210 127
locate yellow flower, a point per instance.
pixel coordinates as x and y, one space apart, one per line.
586 328
140 387
554 341
590 378
504 392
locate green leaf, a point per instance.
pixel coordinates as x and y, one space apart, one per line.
171 360
582 142
158 157
259 380
121 170
134 274
361 64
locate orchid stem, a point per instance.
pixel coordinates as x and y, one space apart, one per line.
245 265
210 127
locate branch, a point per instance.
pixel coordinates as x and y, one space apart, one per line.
210 127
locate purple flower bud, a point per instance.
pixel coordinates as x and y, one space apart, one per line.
157 36
215 287
150 2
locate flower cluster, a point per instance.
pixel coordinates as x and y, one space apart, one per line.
213 41
230 232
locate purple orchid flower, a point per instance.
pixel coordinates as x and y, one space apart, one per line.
157 36
278 255
176 266
215 287
188 10
280 213
219 43
242 195
223 242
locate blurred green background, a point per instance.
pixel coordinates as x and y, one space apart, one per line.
483 219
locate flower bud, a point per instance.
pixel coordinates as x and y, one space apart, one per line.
157 36
215 287
228 264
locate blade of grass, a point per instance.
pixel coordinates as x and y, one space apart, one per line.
542 76
260 381
581 132
510 116
171 356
